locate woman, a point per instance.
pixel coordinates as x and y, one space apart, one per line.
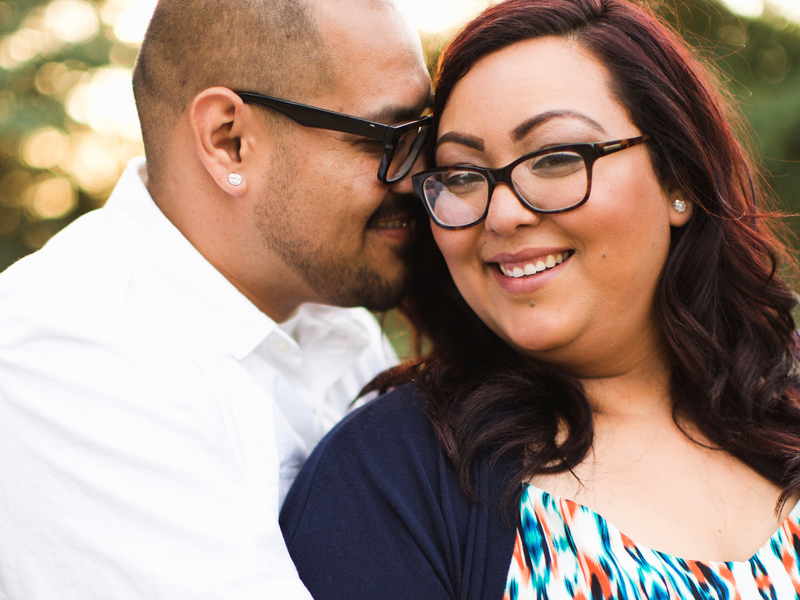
613 348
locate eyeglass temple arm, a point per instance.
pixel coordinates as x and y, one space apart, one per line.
607 148
309 116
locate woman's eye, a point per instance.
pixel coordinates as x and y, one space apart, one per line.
463 180
558 163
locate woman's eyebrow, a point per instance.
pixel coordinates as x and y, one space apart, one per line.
520 131
524 128
461 138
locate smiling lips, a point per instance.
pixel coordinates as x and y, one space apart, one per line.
534 266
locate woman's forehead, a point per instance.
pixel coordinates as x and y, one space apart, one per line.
508 90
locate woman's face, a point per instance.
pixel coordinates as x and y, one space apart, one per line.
593 312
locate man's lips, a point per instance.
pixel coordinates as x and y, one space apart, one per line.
391 222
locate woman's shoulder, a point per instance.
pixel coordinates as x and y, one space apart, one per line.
399 412
377 512
387 429
381 455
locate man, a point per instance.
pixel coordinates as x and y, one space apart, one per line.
160 383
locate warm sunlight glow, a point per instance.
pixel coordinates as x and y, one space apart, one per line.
72 21
439 16
106 103
128 18
44 148
95 161
50 197
789 9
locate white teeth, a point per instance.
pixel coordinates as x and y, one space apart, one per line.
530 269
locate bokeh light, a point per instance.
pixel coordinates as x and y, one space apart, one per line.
105 102
44 148
789 9
50 197
46 30
439 16
72 21
128 18
96 160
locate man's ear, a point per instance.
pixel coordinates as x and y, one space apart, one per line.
218 121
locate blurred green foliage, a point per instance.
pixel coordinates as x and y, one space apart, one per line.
758 60
33 97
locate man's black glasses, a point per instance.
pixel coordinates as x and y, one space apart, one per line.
401 143
553 180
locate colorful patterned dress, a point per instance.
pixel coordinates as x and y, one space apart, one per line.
565 551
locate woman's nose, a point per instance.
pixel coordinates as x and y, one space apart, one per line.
506 212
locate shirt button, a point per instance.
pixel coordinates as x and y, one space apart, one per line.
281 345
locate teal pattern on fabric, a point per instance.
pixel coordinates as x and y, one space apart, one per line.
565 551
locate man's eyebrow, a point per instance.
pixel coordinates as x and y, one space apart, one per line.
395 114
470 141
524 128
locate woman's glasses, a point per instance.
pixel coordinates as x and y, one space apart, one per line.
552 180
401 143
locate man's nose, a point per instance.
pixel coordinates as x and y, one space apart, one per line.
403 186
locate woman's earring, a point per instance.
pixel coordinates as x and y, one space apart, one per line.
236 179
679 206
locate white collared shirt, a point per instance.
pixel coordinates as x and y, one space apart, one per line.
152 418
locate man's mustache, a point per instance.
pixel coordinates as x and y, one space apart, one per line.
407 206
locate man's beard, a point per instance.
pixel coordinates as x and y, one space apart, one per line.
338 283
333 279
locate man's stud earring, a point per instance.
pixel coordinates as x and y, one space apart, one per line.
679 206
236 179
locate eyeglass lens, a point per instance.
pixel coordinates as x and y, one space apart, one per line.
549 182
405 153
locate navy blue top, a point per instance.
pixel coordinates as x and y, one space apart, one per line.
377 512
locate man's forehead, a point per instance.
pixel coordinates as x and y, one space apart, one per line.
376 62
348 27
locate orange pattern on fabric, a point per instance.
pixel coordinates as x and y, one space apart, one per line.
565 550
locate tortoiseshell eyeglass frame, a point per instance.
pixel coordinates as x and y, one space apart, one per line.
589 152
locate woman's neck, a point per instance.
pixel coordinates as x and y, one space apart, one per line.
636 386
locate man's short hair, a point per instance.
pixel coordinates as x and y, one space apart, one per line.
273 47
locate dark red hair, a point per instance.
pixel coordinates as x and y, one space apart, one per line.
725 311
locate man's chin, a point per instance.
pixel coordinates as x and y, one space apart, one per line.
382 295
366 286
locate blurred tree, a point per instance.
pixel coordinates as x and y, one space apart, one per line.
61 150
759 62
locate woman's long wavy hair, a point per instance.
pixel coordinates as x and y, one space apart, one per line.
724 309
